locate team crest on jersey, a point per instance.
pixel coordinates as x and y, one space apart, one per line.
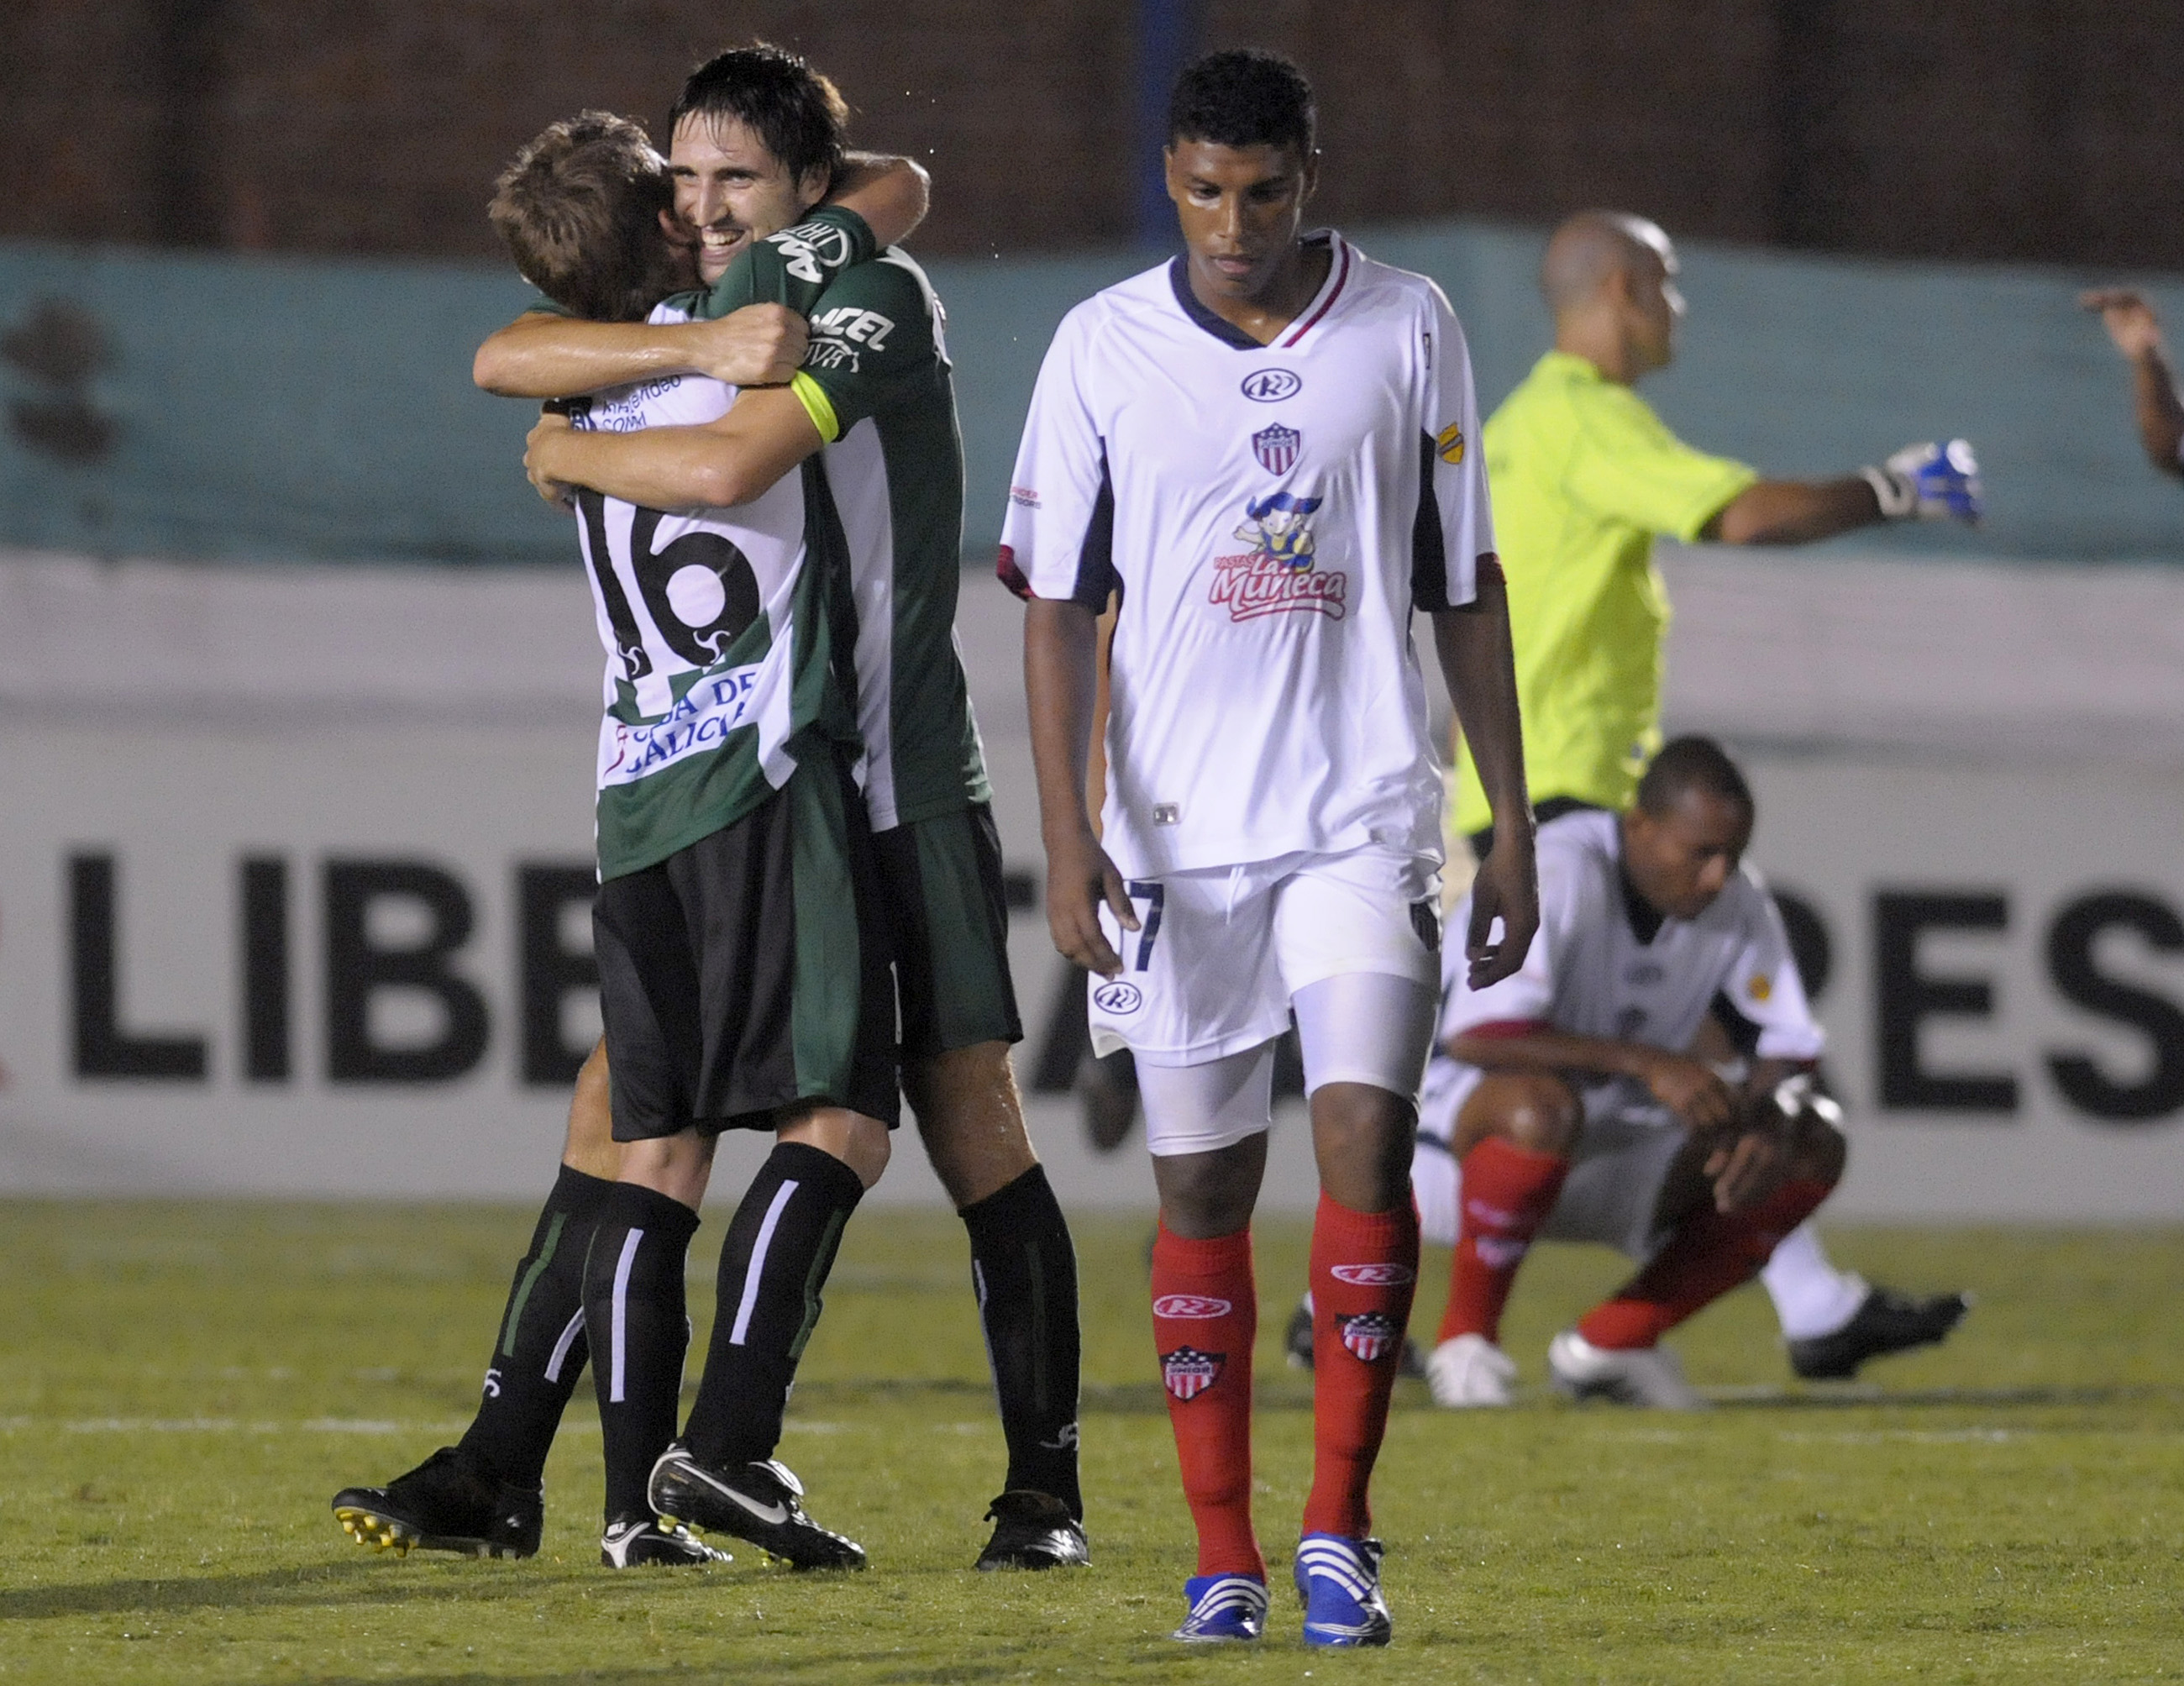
1448 445
1276 448
1371 1335
1188 1372
1279 574
1761 986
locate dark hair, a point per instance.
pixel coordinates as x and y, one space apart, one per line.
800 115
1243 97
1692 763
579 210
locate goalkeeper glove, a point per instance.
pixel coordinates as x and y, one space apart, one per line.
1928 482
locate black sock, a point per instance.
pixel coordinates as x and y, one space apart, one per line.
791 1220
635 1318
539 1354
1025 1269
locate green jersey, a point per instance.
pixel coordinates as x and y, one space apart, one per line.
877 385
1585 474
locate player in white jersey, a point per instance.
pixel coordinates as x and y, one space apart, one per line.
1565 1094
1267 446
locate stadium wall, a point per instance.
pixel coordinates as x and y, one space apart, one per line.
287 408
292 878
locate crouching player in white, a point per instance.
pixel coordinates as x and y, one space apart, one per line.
1266 445
1566 1097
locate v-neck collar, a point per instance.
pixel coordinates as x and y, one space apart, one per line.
1644 919
1338 276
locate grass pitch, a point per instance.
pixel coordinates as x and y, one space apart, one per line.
182 1387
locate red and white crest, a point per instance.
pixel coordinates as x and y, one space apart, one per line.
1370 1335
1190 1372
1276 448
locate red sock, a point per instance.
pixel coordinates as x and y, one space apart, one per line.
1364 1271
1206 1312
1506 1195
1708 1255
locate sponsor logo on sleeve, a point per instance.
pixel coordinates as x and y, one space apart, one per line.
1373 1275
1448 445
1372 1336
1118 998
1276 448
841 336
1271 386
1188 1372
1024 497
1191 1305
1279 574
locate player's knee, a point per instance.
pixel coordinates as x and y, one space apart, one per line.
970 1120
1534 1112
1204 1195
677 1166
863 1144
1821 1152
1363 1137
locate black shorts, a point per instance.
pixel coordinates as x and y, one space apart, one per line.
747 973
948 918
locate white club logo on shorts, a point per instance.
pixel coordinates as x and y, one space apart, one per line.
1190 1305
1117 997
1372 1276
1370 1336
1190 1372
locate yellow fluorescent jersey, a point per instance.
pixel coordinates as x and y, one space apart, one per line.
1585 474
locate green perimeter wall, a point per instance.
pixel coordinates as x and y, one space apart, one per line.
287 408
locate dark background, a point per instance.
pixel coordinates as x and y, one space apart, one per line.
1959 129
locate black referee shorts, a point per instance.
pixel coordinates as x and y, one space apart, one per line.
749 972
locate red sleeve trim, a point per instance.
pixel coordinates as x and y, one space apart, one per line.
1007 571
1499 1028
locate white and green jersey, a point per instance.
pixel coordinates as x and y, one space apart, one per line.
722 639
878 384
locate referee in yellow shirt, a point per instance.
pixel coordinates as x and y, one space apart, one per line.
1583 476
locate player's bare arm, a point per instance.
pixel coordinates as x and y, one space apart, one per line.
1479 667
1061 682
543 356
764 435
1689 1088
1794 511
2137 331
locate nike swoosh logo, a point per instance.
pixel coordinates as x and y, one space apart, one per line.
773 1515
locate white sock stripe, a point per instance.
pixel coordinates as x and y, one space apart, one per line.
619 1317
757 1266
560 1352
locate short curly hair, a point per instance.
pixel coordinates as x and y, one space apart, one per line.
1243 97
579 210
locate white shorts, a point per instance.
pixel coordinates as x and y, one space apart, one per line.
1350 942
1625 1150
1220 953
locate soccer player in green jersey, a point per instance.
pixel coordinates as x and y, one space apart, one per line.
1584 475
898 474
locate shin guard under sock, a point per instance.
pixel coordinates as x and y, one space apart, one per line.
1710 1253
780 1247
1504 1196
540 1352
1364 1273
1206 1316
636 1320
1025 1269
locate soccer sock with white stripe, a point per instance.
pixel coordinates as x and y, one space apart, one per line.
1025 1269
773 1267
539 1353
639 1329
